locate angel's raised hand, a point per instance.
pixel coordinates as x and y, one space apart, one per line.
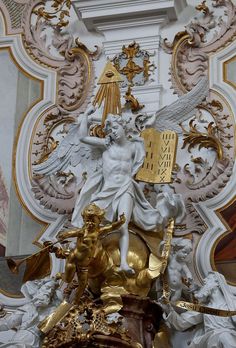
90 110
122 218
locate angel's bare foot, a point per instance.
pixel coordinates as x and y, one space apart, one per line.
125 268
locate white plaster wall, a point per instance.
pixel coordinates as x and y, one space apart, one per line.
8 92
22 228
17 94
169 31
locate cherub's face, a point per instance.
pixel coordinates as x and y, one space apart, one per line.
92 222
182 254
117 131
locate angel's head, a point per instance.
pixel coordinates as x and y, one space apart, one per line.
93 215
181 248
115 127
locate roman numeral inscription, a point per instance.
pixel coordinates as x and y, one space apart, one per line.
160 156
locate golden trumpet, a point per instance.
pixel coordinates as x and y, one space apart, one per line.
15 264
37 262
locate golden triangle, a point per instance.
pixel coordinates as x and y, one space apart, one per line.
109 75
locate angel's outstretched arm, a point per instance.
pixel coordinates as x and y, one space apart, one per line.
70 234
114 226
94 141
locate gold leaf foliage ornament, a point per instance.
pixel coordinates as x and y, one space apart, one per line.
48 149
84 325
132 102
131 50
60 10
194 137
203 8
134 64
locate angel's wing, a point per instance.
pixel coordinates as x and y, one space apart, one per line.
70 152
182 109
55 196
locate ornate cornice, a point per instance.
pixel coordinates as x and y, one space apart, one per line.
93 11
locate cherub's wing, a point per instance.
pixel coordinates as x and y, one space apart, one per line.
182 109
70 152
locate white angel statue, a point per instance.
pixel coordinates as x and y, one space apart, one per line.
210 331
20 328
111 164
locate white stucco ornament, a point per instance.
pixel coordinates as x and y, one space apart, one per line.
111 164
211 330
20 328
178 266
111 185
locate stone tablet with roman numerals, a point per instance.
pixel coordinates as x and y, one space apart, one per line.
160 156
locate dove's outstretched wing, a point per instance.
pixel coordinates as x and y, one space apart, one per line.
70 152
170 116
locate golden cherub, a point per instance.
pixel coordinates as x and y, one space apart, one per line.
87 246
